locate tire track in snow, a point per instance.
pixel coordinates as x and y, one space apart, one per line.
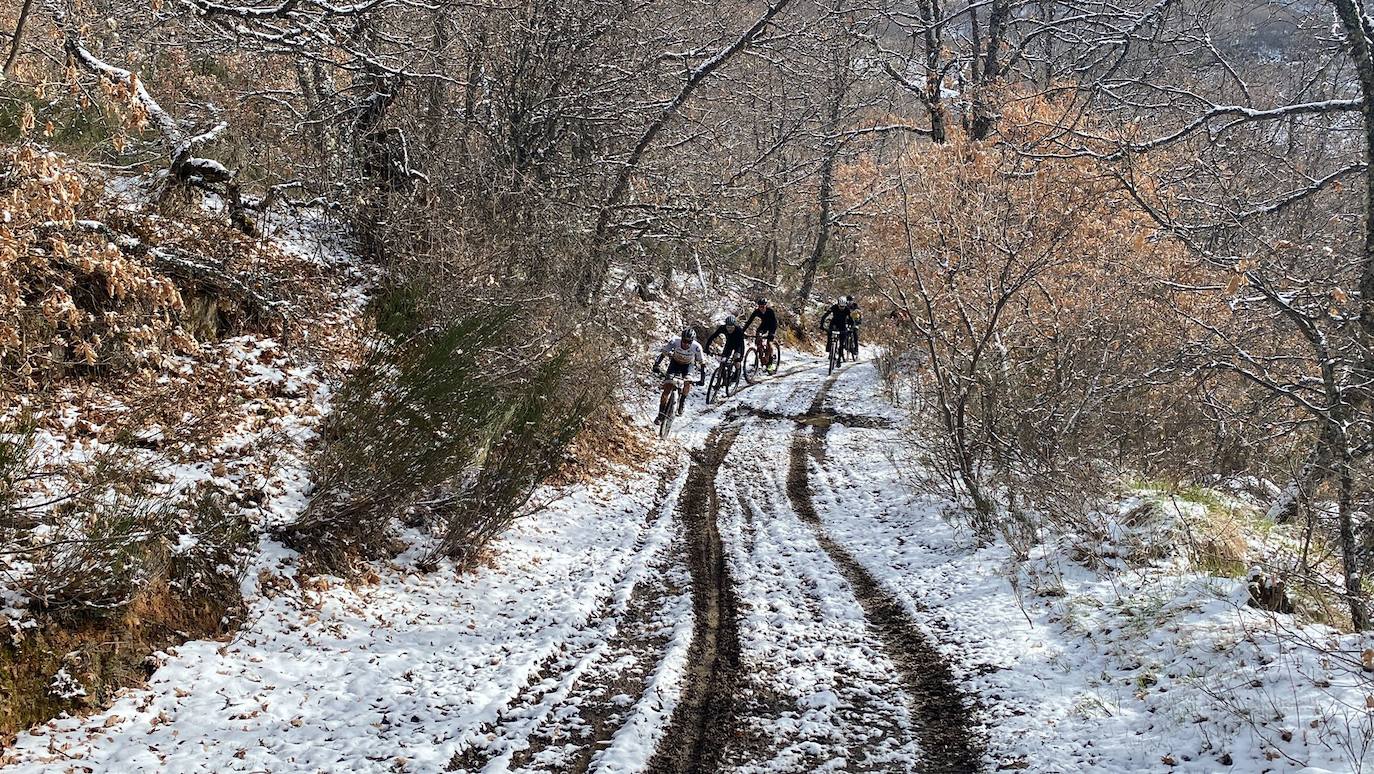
941 710
697 730
536 718
817 689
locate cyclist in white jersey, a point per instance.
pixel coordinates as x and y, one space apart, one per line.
682 352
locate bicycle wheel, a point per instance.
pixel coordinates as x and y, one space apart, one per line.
776 360
716 384
751 366
667 424
834 347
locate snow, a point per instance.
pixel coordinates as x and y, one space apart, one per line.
399 675
585 610
804 640
1149 669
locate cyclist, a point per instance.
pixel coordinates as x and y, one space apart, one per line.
681 351
836 321
768 328
733 353
854 319
733 333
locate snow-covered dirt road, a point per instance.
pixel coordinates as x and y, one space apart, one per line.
764 596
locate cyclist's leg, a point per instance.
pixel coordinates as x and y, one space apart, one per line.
733 357
664 392
684 372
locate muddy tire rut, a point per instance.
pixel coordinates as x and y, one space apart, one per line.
611 654
703 716
941 709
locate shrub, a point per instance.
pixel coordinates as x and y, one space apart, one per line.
1019 293
458 423
208 563
527 447
99 542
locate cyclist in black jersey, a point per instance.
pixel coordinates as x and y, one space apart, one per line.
768 319
836 321
733 333
765 334
854 319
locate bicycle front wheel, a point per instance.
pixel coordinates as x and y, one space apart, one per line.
751 366
667 424
717 383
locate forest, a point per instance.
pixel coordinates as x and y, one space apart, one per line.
321 316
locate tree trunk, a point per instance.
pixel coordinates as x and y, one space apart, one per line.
1314 471
823 206
1350 550
18 36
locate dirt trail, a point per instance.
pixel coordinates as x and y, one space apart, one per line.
612 654
582 695
941 709
701 720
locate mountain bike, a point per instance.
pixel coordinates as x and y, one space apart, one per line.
762 358
834 347
724 380
676 397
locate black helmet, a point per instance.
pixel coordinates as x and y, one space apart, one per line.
689 334
730 321
761 301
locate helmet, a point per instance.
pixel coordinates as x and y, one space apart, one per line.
689 334
730 321
841 301
761 301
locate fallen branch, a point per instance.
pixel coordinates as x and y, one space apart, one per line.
187 268
184 166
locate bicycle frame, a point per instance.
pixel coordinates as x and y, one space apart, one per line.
764 346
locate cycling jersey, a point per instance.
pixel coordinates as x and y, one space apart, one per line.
768 321
734 342
680 358
680 355
838 316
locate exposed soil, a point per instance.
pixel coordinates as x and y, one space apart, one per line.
701 722
582 695
942 711
612 657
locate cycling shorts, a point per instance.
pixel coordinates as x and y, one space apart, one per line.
679 369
